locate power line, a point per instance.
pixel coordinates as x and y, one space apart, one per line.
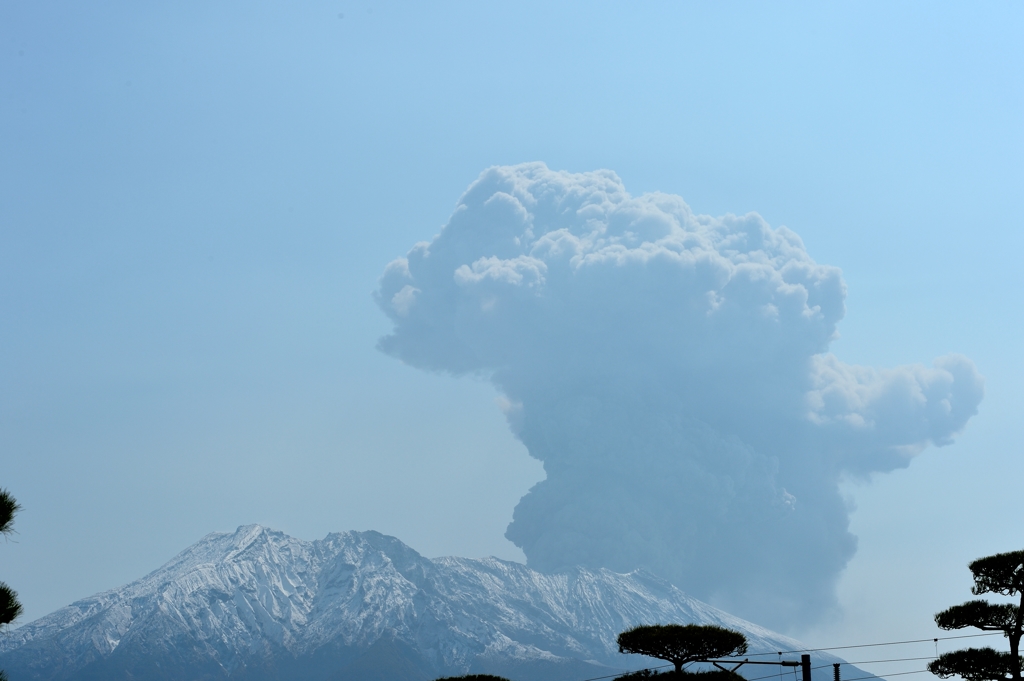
774 676
860 678
812 650
769 676
872 645
612 676
896 659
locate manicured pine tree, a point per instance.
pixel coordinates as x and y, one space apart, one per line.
1001 574
682 643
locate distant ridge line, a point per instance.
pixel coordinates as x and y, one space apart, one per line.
258 605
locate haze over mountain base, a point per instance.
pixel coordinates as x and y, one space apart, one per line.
259 605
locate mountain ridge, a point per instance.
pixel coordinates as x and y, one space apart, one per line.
259 605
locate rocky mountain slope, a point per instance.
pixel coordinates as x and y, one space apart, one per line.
258 605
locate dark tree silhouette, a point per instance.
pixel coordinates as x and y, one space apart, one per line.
10 608
682 643
1001 574
710 675
474 677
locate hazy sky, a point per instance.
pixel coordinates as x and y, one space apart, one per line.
197 203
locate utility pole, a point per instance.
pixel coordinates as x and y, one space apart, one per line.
805 662
835 671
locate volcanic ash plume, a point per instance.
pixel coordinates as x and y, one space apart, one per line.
671 372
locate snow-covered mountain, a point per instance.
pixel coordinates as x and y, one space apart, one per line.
259 605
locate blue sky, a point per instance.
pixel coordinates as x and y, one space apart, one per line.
196 204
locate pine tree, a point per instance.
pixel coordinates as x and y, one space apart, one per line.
681 644
1001 574
10 608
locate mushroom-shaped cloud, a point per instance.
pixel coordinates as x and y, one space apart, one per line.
671 372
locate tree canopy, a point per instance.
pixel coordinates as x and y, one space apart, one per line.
8 507
10 608
974 664
1003 574
682 643
707 675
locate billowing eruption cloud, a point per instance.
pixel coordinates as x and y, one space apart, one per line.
671 372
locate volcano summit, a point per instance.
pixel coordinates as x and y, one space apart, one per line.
259 605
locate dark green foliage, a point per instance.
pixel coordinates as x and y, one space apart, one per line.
1001 574
8 507
979 614
975 664
682 643
474 677
650 675
640 675
10 608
